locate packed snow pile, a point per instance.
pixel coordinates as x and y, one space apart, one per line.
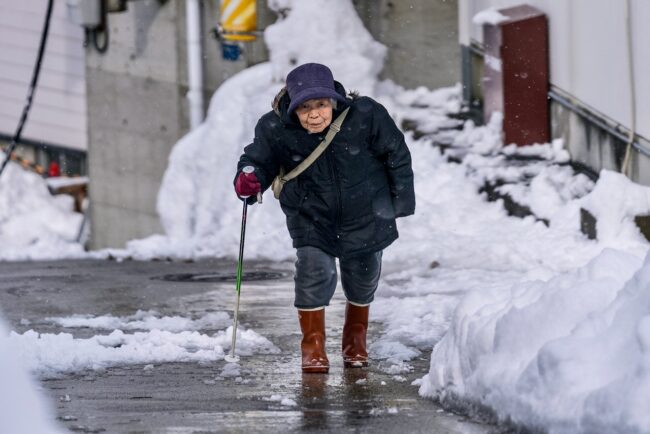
161 340
551 330
34 225
615 202
549 192
22 408
568 355
145 320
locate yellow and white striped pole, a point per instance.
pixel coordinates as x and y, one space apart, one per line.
238 20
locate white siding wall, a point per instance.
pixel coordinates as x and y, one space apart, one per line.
588 51
58 115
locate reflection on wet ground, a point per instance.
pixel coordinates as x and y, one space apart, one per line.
271 394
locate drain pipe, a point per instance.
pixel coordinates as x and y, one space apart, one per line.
194 62
625 168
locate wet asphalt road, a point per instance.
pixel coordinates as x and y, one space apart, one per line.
184 397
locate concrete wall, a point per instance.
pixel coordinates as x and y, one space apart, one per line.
591 141
137 111
134 117
421 36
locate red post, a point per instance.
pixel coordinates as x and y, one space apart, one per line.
53 169
516 74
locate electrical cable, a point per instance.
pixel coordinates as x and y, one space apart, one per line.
630 62
102 29
32 88
103 48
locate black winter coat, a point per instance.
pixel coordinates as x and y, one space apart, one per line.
346 202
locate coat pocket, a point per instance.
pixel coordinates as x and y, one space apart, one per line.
291 198
382 205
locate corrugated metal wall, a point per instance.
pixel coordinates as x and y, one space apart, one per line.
58 115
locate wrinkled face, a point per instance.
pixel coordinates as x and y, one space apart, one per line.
315 114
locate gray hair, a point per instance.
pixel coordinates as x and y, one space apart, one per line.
334 103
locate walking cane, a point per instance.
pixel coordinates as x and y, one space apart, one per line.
232 358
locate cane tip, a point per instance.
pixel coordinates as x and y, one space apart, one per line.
231 358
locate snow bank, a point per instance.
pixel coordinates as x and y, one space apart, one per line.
22 409
48 354
145 320
569 355
558 342
34 225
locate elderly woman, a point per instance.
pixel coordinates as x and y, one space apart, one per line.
343 205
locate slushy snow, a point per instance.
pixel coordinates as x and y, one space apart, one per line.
145 320
24 409
283 400
162 339
34 225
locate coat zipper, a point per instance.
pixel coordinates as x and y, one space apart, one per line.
335 178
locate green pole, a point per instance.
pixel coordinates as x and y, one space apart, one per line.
240 266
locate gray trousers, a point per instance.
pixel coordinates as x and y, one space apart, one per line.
316 277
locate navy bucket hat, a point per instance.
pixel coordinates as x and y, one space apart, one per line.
310 81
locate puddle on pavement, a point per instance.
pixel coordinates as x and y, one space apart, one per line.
248 276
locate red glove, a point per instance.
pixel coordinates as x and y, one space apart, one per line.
247 185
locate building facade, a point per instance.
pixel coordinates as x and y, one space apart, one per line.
57 127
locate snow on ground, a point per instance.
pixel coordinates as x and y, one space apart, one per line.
34 225
145 320
535 322
23 409
160 340
286 401
563 346
568 355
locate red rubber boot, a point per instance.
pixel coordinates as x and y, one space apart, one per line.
355 329
314 358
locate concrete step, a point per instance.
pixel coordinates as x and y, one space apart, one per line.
528 166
